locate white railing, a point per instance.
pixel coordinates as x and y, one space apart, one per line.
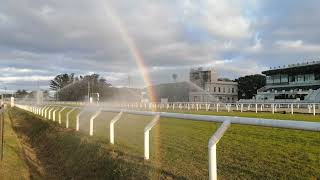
226 120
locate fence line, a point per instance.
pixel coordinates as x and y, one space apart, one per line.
225 120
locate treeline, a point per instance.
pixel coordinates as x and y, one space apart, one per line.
69 87
22 93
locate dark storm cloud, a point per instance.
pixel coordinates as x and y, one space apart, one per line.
39 39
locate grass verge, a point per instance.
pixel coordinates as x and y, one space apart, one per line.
13 165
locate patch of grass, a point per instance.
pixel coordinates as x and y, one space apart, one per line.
66 154
13 165
179 147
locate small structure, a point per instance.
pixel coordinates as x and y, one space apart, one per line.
211 88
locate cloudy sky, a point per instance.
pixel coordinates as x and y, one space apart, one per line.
40 39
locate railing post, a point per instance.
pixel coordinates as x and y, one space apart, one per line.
256 108
78 121
272 106
291 108
314 109
54 115
60 114
112 122
212 148
91 121
46 110
49 117
146 136
67 120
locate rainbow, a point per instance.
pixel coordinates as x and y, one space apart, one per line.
135 52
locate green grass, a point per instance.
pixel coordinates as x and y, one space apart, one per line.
13 165
263 115
179 147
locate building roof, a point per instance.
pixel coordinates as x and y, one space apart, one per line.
303 68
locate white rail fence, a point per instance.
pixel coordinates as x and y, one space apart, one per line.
308 108
46 111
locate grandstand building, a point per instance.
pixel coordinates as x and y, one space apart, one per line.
292 83
210 88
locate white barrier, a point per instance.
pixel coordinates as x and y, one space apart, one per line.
212 148
68 117
226 120
146 136
60 114
91 121
112 122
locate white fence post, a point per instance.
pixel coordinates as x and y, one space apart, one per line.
146 135
78 121
291 108
212 147
54 115
91 121
45 111
50 113
112 122
60 114
68 114
314 109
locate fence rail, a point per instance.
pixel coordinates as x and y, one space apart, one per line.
45 111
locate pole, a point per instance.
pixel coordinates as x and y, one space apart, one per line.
2 132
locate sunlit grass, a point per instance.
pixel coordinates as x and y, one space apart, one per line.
179 147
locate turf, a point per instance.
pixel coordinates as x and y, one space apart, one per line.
179 147
13 165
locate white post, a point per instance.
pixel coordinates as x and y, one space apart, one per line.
45 111
91 121
42 110
67 120
60 114
272 108
112 122
197 105
12 101
291 108
217 107
50 113
256 108
314 109
241 107
212 146
261 107
78 121
54 115
146 135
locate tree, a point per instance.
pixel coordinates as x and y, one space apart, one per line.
248 85
78 88
60 81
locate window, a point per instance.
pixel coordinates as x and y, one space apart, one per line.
232 91
292 78
219 89
214 89
224 89
276 79
284 78
317 76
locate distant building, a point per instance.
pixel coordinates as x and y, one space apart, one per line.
292 83
210 88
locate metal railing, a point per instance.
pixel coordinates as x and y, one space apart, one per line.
45 111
